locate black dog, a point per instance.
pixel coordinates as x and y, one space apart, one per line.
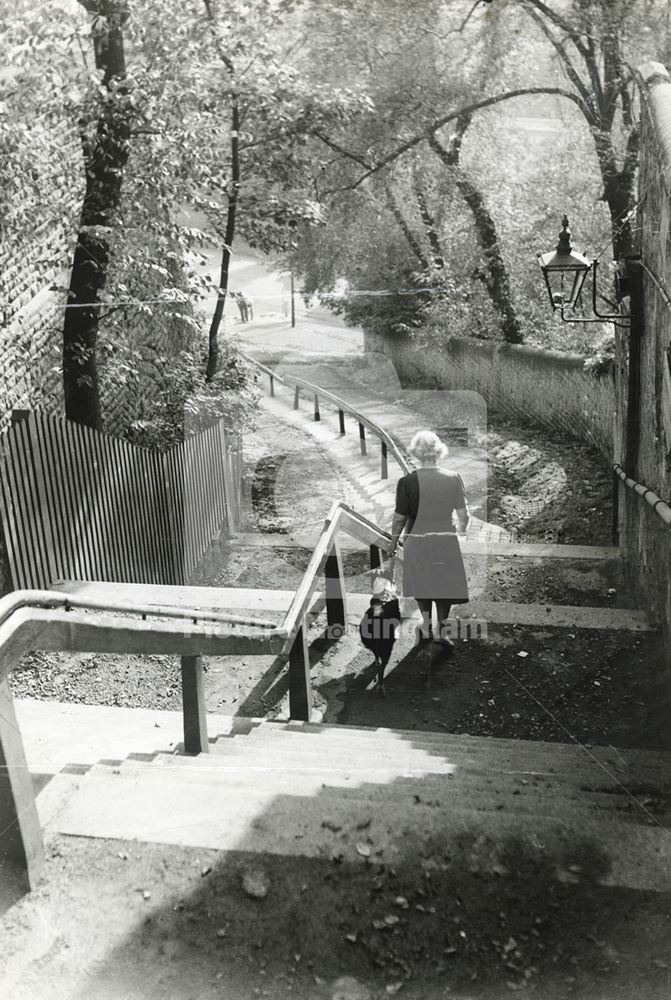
378 632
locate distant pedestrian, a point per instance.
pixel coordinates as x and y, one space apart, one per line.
249 309
242 305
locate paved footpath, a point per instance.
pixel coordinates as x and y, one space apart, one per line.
400 414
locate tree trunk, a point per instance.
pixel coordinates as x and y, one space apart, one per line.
104 177
429 224
229 235
405 228
498 284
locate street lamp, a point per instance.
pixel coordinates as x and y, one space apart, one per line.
564 271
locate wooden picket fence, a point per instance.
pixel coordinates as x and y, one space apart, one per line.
77 504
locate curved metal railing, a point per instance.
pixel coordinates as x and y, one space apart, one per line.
388 445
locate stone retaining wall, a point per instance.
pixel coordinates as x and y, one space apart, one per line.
547 388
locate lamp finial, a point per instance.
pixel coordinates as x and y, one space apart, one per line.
564 243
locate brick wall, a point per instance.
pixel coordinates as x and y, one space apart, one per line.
547 388
37 257
45 201
647 542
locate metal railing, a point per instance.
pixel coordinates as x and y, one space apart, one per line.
388 446
660 507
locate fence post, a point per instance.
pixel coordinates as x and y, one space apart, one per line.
384 471
193 706
300 686
334 586
317 414
362 438
272 386
21 846
296 396
341 419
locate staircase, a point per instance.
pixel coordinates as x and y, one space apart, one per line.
354 794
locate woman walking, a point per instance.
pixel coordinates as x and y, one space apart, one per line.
427 501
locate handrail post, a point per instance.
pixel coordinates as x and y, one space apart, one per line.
296 396
21 844
300 685
334 587
362 438
341 419
193 706
317 414
384 471
272 386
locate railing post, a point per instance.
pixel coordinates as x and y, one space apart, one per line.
193 706
334 586
272 386
300 685
317 414
296 396
384 470
21 845
362 438
341 419
375 556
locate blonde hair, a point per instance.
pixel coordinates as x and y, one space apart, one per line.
427 447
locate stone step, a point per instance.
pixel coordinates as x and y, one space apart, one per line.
437 793
352 760
530 752
587 775
261 601
197 814
458 781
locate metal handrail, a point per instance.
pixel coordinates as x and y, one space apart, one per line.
56 599
342 405
660 507
340 517
43 619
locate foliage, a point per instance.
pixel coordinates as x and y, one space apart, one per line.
187 404
601 361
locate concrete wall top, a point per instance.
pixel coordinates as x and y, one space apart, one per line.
655 84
